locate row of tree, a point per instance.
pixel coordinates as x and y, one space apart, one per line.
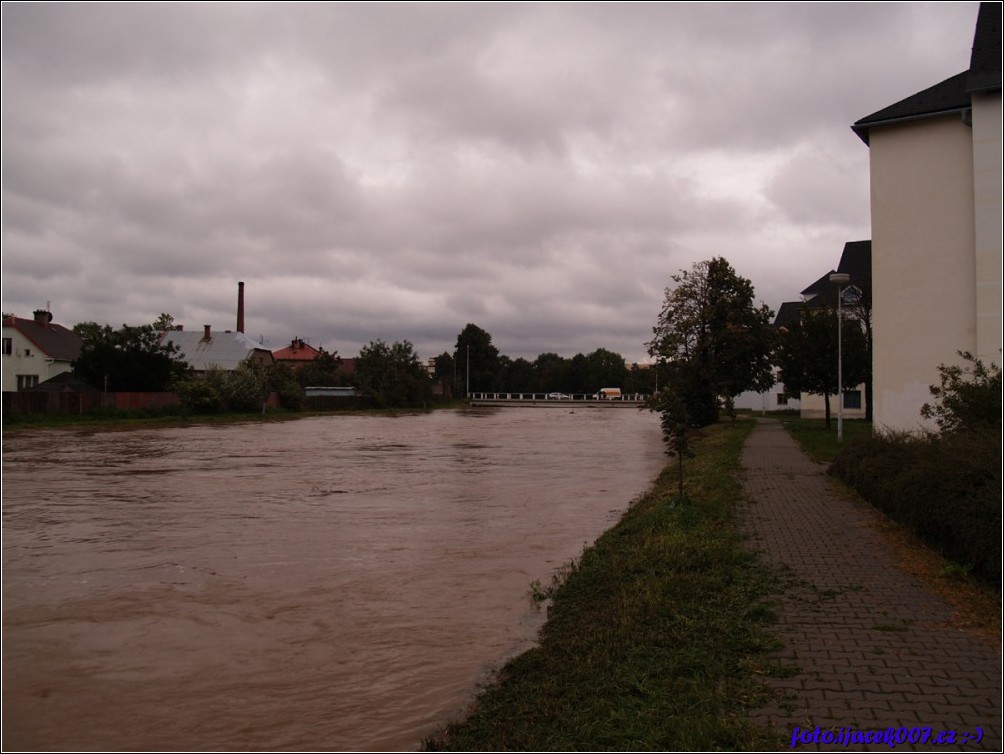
477 366
137 358
712 342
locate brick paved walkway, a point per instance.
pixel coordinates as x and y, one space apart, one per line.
873 648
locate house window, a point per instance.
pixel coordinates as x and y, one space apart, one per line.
8 346
782 399
852 399
25 381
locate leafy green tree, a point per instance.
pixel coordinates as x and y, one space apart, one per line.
605 369
675 424
282 380
518 375
393 374
807 355
968 398
130 359
246 387
577 378
323 371
478 362
552 373
713 337
446 374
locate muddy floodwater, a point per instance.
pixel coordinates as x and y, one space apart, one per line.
338 583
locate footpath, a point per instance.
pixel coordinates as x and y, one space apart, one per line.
870 648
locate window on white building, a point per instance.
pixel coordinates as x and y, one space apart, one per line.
852 399
25 381
8 346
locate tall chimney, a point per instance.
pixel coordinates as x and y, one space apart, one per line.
208 334
240 307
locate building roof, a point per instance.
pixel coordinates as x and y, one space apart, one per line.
223 350
949 96
985 63
55 341
66 382
788 314
953 95
297 350
856 261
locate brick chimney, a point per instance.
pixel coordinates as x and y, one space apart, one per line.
240 307
208 335
43 317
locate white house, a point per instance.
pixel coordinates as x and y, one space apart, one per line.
935 164
35 350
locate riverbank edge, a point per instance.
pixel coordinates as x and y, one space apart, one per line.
115 422
658 638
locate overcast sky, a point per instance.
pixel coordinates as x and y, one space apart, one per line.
396 171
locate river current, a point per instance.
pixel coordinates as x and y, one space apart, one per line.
329 583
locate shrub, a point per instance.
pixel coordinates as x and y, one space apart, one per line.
970 397
946 488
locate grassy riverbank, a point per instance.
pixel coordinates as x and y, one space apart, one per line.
656 639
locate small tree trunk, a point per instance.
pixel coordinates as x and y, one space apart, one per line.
826 401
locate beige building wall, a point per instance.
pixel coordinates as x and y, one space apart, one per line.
923 261
814 407
987 160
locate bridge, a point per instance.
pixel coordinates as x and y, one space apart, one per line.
556 400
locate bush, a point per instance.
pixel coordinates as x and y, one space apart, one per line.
969 397
946 488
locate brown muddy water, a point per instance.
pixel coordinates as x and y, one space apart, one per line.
332 583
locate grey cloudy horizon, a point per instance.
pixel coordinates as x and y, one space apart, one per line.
397 171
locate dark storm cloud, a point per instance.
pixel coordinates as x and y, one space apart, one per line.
396 171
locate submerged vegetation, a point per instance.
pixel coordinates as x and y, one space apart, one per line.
657 638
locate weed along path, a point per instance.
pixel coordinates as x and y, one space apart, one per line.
869 648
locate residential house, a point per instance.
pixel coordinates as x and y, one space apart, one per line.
775 398
221 350
36 350
855 261
297 354
935 163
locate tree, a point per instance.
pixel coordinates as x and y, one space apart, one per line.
446 374
478 363
393 374
604 369
807 355
323 371
518 375
552 373
713 338
130 359
968 398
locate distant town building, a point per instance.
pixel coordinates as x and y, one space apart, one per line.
36 350
221 350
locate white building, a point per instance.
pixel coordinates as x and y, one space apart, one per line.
35 350
935 163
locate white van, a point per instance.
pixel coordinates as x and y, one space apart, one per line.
608 394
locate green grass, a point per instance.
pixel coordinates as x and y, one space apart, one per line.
658 638
821 443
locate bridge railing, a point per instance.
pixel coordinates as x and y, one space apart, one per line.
556 397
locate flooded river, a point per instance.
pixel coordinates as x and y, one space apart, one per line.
334 583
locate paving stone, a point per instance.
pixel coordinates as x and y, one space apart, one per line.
874 648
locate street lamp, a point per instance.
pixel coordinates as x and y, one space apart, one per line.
840 279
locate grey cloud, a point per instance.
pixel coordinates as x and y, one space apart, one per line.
398 170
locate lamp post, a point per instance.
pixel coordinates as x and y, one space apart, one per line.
840 279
